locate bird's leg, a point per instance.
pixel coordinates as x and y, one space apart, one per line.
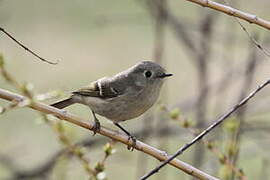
129 137
96 124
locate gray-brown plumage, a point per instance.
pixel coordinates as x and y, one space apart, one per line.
124 96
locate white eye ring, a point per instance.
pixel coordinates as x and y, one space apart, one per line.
147 74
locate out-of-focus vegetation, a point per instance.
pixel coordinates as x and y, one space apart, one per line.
93 39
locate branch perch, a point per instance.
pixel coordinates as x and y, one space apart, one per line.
140 146
251 18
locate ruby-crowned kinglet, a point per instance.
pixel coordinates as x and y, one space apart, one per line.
124 96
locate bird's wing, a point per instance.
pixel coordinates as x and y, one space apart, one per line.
102 88
91 90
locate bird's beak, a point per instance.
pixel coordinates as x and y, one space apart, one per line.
165 75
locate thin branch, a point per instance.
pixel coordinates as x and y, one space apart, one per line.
251 18
209 129
140 146
252 39
26 48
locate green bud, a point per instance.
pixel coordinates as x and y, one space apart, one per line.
231 125
186 123
174 114
231 148
27 89
78 152
222 158
108 149
99 167
211 145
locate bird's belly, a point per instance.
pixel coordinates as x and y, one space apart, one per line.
119 109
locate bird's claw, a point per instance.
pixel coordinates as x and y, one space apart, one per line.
96 127
131 147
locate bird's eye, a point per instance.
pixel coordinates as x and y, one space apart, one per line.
148 74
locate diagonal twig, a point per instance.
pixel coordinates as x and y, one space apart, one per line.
209 129
26 48
252 39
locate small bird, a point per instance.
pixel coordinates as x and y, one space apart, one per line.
124 96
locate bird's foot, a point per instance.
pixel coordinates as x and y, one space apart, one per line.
96 127
131 147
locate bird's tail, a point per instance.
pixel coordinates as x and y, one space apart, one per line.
64 103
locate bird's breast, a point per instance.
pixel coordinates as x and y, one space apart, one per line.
123 107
